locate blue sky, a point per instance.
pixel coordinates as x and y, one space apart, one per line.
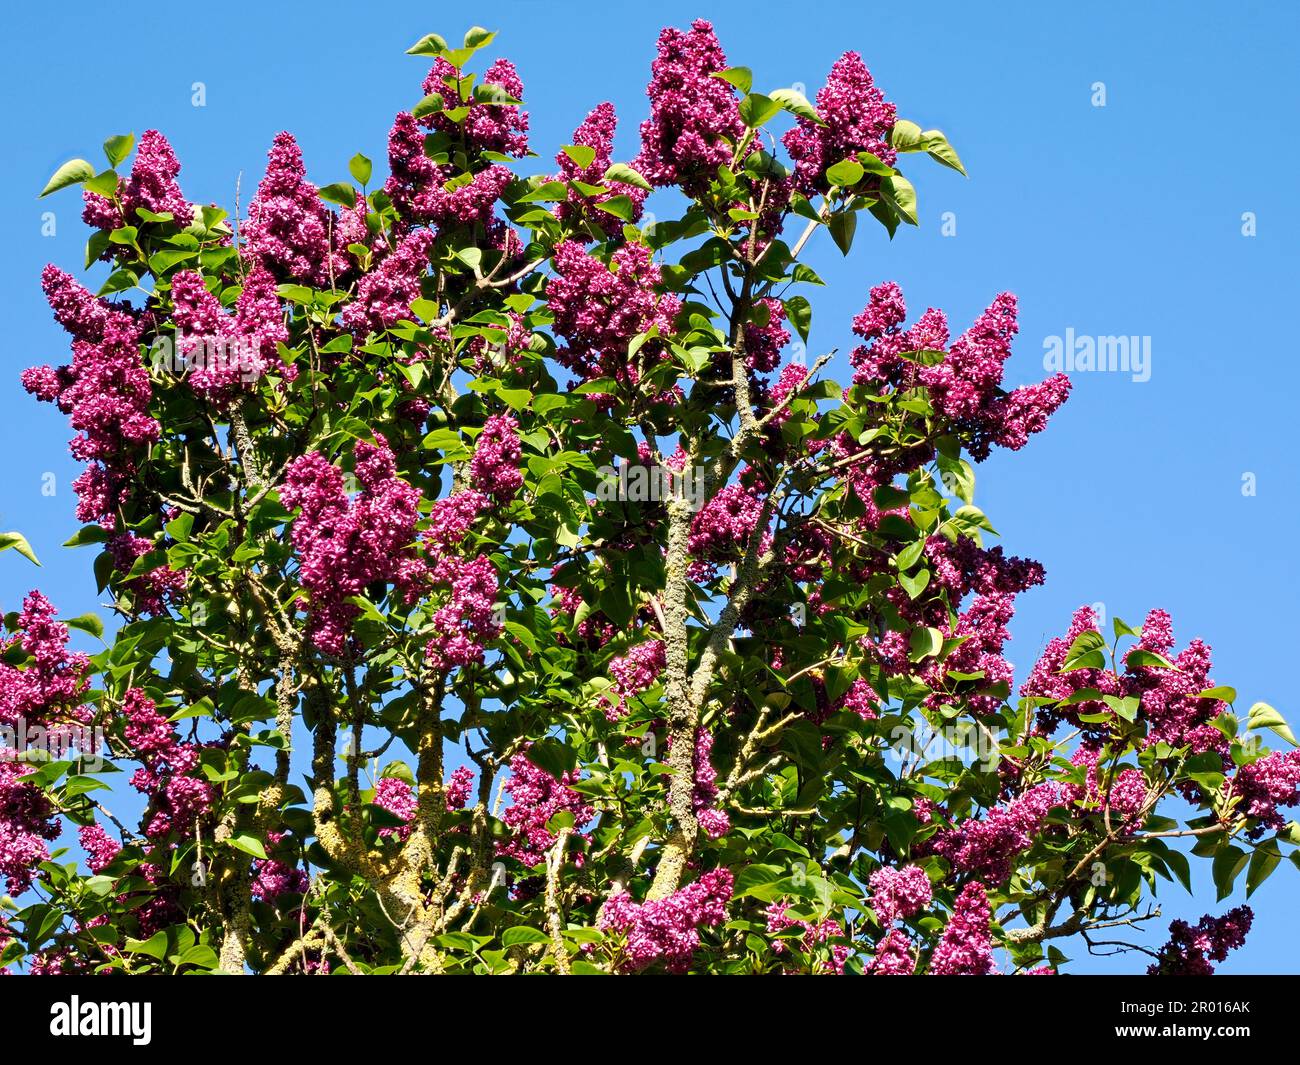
1117 220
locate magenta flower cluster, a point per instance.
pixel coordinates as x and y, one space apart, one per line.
494 468
289 230
855 117
151 591
721 531
1191 948
151 185
459 786
26 823
344 544
399 799
100 847
815 933
713 821
989 847
428 194
432 194
105 392
667 930
965 948
1169 699
894 955
178 794
693 115
486 127
277 875
582 210
964 386
1123 799
384 295
1264 786
897 894
468 618
226 353
48 691
763 342
633 673
537 797
861 699
600 308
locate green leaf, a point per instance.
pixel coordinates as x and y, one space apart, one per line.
847 172
19 543
756 109
883 213
1180 867
741 77
180 527
842 227
104 183
1140 656
100 885
360 168
625 175
799 311
155 946
958 477
477 37
907 558
121 280
1085 652
83 785
1123 628
73 172
203 708
116 149
201 955
936 144
398 770
430 105
430 44
248 844
341 193
1263 716
873 164
87 623
914 584
1262 863
925 643
797 104
1127 708
546 192
906 136
552 756
161 262
619 206
1223 694
521 934
581 154
490 93
898 192
1228 864
89 534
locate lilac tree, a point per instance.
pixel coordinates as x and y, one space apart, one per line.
604 631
